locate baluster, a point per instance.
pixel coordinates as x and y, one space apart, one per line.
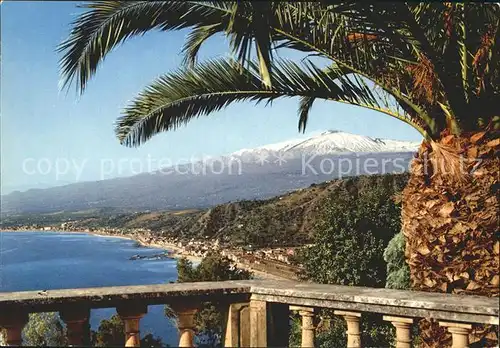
353 332
13 322
185 322
403 330
131 315
308 333
77 325
307 325
459 333
186 325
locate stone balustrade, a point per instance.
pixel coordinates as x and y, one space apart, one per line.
257 311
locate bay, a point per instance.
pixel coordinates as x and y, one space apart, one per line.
58 260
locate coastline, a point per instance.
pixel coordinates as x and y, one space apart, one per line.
175 251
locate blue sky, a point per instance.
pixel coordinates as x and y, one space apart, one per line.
42 127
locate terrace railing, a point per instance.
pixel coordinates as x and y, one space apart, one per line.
257 311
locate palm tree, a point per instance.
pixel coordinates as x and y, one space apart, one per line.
434 66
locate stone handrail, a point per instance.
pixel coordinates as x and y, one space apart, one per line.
257 311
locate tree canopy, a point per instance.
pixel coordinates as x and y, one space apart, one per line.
433 65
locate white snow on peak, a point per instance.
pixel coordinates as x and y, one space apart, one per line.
329 142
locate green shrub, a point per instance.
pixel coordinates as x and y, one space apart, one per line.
109 333
351 239
359 221
398 271
44 329
295 330
213 267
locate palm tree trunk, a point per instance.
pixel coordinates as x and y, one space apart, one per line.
450 211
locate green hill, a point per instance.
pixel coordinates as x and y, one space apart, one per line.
287 220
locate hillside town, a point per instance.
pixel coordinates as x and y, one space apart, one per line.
271 261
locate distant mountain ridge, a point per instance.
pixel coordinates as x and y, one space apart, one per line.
285 220
258 173
330 142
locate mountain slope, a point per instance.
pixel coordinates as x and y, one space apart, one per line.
286 220
246 174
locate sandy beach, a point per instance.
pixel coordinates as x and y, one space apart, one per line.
174 250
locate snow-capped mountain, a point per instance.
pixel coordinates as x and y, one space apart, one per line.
327 143
257 173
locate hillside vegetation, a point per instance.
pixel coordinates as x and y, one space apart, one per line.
287 220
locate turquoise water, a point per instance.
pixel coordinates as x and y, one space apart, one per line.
52 260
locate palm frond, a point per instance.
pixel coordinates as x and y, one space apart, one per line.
305 106
175 99
250 24
108 23
437 61
196 38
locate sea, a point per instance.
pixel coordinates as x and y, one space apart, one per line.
58 260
